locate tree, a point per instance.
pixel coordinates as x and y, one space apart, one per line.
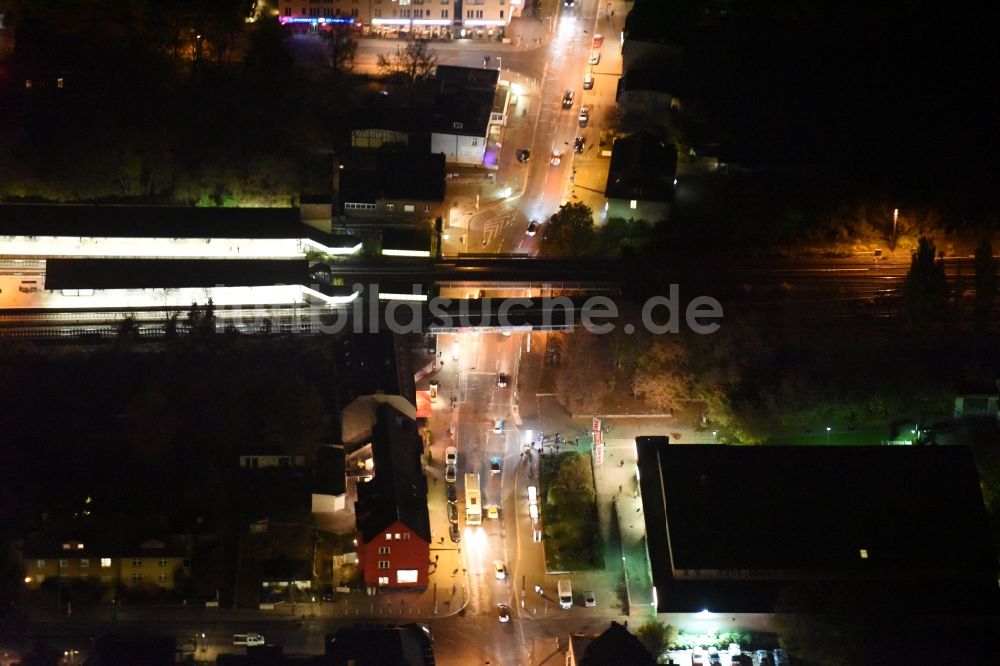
662 378
586 371
128 330
201 319
266 55
342 47
170 326
220 23
621 237
657 637
414 62
986 282
925 288
570 232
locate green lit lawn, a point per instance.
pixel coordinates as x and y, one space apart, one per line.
569 513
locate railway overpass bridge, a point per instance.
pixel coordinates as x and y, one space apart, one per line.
68 297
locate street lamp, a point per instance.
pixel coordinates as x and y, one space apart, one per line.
895 219
828 434
714 434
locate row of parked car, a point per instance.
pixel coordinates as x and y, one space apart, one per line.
712 657
451 492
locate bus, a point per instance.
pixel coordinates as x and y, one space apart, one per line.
473 505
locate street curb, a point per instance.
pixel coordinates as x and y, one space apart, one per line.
622 416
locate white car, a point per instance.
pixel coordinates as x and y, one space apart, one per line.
556 158
595 58
498 426
500 570
248 639
451 456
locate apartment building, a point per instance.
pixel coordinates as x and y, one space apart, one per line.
424 19
320 12
129 552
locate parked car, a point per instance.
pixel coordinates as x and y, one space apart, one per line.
523 155
453 513
780 657
450 474
500 570
595 58
327 594
532 228
452 493
598 40
503 612
589 599
451 456
454 533
699 658
502 380
584 116
495 465
567 100
579 143
556 159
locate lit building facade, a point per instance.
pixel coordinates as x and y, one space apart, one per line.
113 552
426 19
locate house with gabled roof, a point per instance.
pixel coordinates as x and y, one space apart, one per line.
393 526
615 646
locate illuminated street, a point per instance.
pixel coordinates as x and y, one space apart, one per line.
499 333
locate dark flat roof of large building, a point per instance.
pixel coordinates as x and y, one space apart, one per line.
396 175
172 273
121 221
643 167
457 77
816 513
462 112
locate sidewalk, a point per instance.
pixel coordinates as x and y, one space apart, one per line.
447 590
523 33
590 168
617 491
